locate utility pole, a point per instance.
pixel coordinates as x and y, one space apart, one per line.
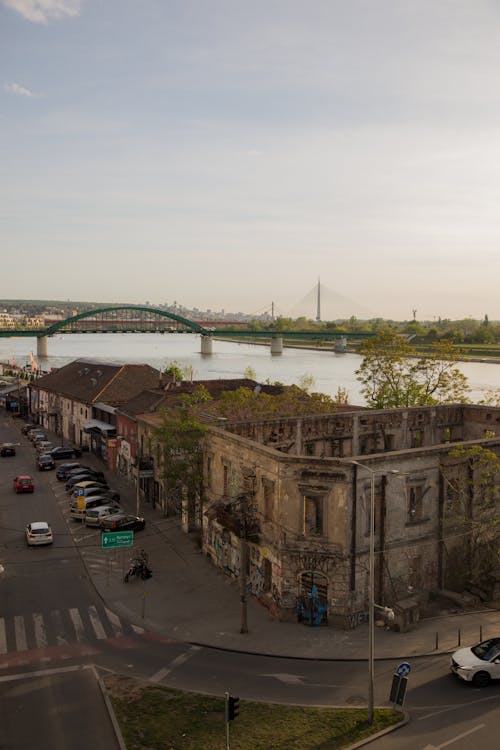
243 564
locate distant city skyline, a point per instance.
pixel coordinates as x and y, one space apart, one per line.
225 155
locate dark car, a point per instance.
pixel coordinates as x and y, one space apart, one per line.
64 469
122 522
65 451
45 462
85 470
27 427
7 449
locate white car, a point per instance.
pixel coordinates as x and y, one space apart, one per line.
478 664
38 532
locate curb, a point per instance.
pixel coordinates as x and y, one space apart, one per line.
404 721
111 711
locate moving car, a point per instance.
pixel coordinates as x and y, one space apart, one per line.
7 449
23 483
478 664
45 462
65 451
122 522
38 532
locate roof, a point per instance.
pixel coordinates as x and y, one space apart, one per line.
153 399
90 382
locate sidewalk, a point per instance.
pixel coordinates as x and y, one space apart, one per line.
190 600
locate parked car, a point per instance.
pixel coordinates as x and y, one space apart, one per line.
94 514
7 449
80 506
85 470
44 446
45 462
27 427
95 491
122 522
23 483
63 470
80 479
38 532
36 434
65 451
478 664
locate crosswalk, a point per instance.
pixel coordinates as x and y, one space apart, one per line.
57 627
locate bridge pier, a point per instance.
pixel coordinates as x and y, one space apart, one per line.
277 345
206 344
42 346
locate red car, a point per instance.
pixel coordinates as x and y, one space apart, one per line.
23 484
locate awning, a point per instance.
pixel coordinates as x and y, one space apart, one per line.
96 426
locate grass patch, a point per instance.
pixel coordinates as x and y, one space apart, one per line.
153 717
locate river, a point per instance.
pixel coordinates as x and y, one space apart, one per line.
229 360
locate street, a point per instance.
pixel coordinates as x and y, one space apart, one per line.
52 620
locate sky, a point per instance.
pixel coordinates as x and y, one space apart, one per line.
225 154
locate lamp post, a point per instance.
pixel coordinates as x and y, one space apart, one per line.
371 589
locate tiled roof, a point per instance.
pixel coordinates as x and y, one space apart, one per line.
89 381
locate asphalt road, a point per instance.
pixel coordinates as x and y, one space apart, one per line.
51 619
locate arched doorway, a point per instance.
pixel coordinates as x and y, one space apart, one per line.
312 600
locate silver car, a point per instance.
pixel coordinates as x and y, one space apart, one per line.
93 516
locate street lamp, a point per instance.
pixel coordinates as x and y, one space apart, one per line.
371 590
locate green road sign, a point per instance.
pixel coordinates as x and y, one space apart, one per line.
110 539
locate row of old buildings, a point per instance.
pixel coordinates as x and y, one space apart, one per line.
290 498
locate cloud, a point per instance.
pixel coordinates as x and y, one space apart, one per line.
15 88
43 11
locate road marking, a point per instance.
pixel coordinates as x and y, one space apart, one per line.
96 623
3 637
43 673
78 625
181 659
137 629
40 632
115 622
455 739
454 707
20 632
288 679
59 627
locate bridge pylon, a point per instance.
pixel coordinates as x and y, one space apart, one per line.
42 346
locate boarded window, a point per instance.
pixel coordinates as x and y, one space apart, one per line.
415 503
268 490
313 516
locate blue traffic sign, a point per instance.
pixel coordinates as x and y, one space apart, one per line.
404 669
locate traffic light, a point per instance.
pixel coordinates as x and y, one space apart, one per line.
233 707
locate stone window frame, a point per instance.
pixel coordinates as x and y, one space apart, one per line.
318 502
416 489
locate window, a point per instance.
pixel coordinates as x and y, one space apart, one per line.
268 490
209 472
313 516
225 489
417 439
415 503
337 446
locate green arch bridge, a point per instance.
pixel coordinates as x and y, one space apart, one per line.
139 319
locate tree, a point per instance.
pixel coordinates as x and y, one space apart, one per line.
472 519
174 371
250 373
179 440
393 374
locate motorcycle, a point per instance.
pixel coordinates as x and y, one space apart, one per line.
139 567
